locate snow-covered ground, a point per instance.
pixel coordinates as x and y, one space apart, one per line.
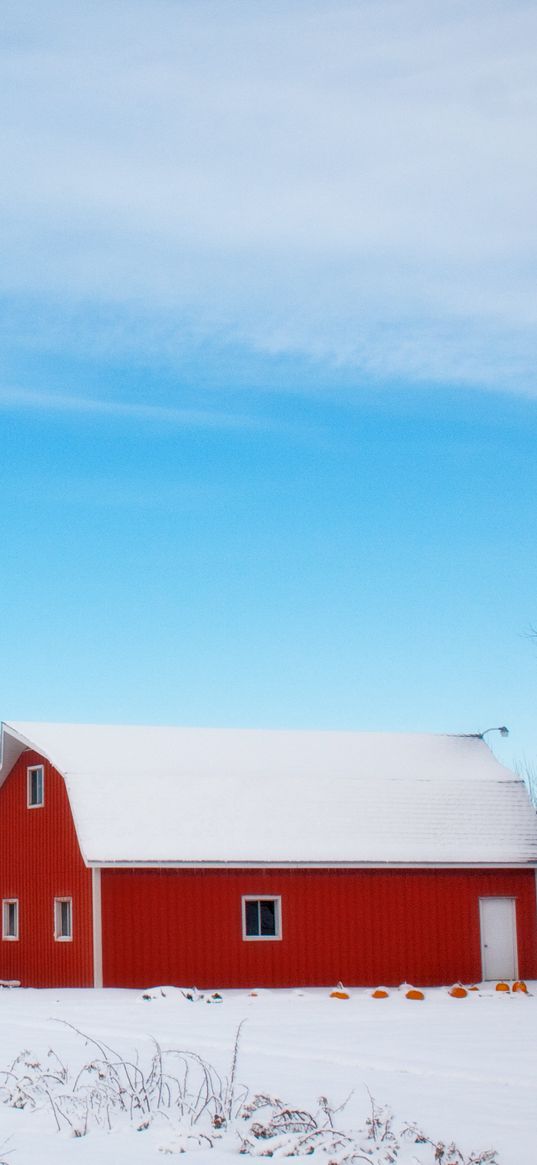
464 1070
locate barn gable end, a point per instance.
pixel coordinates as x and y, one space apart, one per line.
41 865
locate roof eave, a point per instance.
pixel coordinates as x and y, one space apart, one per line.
257 864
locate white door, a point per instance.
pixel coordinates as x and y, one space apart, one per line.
498 938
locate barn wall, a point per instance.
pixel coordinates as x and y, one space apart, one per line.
40 860
363 927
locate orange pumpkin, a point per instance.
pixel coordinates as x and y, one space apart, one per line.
380 993
503 987
473 988
458 992
339 995
414 994
520 986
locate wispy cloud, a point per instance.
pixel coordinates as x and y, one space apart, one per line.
49 402
352 182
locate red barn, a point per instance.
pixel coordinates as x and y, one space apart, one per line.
132 856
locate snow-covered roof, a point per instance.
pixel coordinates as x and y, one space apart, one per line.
192 795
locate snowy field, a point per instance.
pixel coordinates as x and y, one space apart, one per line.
462 1070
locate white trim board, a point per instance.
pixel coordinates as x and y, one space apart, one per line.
97 927
260 865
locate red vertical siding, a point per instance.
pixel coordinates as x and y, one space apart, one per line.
40 860
361 926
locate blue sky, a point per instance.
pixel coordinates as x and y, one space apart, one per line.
268 393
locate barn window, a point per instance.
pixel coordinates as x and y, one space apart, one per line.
63 919
261 918
10 919
36 786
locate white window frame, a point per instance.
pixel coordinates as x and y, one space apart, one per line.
62 938
262 938
6 903
34 769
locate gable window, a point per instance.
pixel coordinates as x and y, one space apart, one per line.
261 918
10 919
36 786
63 919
